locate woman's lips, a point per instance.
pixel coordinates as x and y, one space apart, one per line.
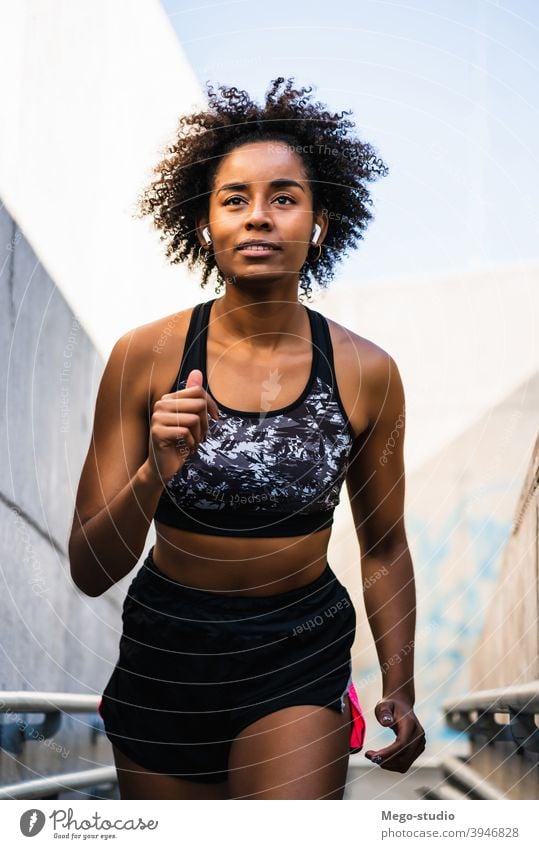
257 250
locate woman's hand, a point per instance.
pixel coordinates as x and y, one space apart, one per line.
397 713
179 423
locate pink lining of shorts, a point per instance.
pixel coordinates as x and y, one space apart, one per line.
357 733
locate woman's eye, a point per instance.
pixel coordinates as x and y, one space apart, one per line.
227 201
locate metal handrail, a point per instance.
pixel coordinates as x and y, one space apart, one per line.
53 705
500 700
502 714
45 702
41 788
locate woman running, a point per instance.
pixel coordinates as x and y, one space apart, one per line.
233 425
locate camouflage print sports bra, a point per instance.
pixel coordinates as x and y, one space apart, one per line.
263 474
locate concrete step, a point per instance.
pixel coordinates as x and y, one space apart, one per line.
442 791
371 782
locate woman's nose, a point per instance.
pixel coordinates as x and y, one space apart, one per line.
259 214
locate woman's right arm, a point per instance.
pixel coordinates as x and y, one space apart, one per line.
118 491
133 453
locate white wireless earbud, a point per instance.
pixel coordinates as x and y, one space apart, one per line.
316 233
206 234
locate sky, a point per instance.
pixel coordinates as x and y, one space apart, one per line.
447 92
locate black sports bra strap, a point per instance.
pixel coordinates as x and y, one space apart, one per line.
322 339
191 357
195 340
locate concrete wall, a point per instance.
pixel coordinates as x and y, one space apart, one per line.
507 650
52 636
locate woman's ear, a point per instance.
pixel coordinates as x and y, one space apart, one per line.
320 226
203 232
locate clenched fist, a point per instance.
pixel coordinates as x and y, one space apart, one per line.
179 423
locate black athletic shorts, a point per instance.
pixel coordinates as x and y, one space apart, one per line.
196 667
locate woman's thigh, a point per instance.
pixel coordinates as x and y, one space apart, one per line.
298 752
136 782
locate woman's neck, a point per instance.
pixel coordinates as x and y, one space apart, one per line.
261 323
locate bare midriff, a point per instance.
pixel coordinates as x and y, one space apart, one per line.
255 566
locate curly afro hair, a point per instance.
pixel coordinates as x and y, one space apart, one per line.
336 162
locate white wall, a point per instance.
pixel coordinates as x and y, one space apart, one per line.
90 94
463 342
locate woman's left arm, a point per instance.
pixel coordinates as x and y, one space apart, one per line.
375 483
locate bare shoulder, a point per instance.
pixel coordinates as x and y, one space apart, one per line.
150 354
153 337
364 372
348 343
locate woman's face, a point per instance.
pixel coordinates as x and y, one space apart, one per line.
261 192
